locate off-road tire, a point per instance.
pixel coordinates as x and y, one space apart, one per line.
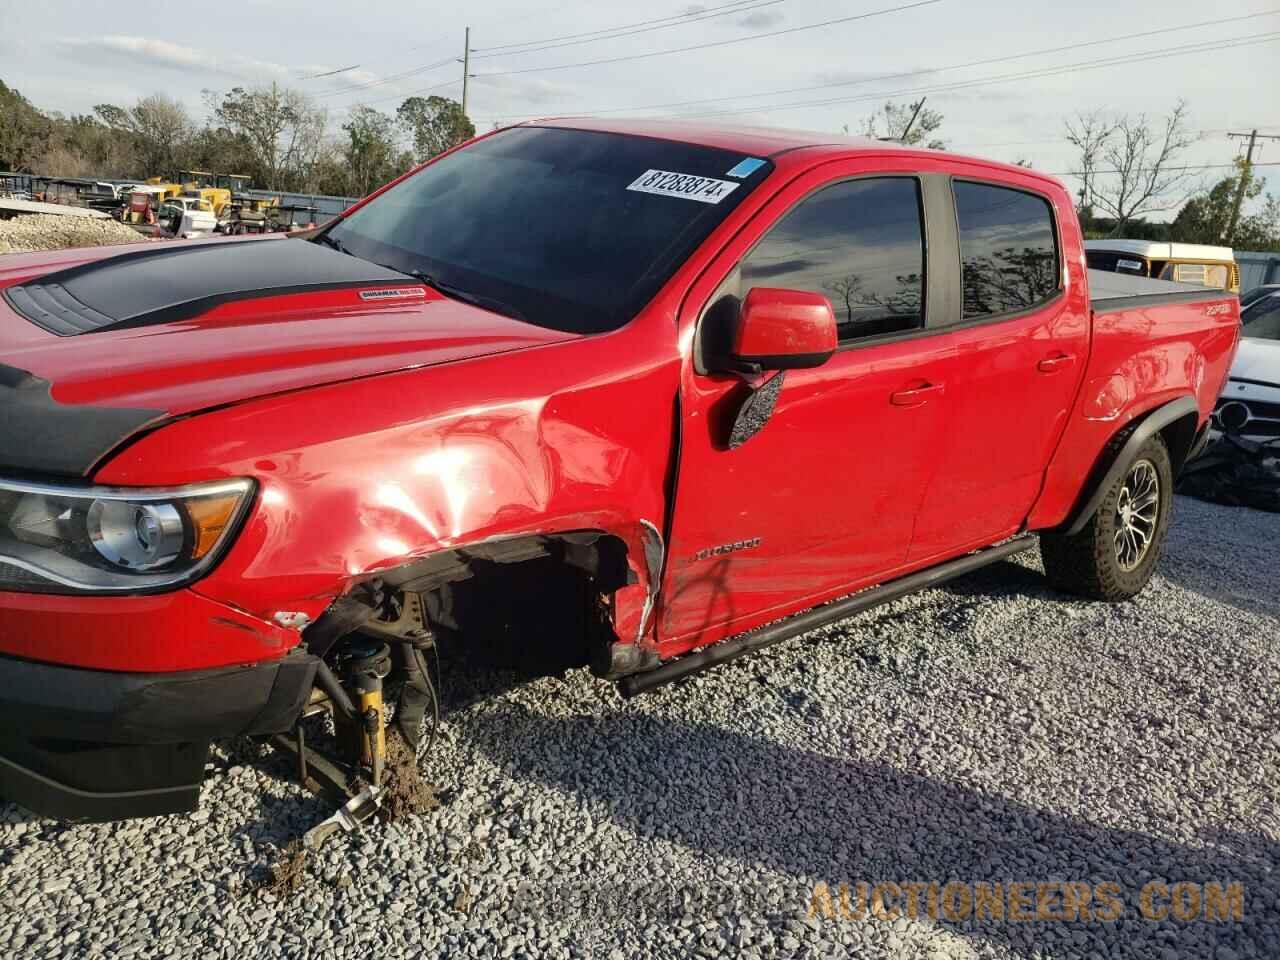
1088 564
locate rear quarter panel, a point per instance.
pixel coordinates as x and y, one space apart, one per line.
1141 358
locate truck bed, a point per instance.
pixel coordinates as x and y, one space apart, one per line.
1110 292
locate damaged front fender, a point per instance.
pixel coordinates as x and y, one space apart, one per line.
357 480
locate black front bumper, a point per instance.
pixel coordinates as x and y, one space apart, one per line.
94 745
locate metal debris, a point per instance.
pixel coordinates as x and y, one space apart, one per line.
1237 472
349 818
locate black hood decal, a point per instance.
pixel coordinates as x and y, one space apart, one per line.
40 435
171 282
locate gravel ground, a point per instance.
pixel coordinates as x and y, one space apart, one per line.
44 231
989 731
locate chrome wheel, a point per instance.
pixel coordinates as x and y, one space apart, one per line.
1137 512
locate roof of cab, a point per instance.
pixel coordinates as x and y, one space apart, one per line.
763 141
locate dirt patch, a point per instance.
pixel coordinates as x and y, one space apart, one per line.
405 791
289 872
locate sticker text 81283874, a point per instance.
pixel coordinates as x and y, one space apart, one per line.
665 183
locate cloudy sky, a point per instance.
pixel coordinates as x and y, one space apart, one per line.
797 63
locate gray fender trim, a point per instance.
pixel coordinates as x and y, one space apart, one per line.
1144 430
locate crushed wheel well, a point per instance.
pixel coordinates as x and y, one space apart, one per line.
538 605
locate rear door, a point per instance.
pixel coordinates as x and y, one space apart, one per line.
825 495
1020 339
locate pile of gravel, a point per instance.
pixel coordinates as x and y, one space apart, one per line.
43 231
987 731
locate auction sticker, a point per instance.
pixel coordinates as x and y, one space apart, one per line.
665 183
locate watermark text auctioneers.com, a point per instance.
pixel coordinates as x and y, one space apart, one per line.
1024 901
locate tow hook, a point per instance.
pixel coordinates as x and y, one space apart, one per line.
349 818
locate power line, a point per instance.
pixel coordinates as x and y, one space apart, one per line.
714 43
508 21
1186 169
412 93
642 26
1033 143
738 6
911 73
355 88
1202 47
465 60
330 73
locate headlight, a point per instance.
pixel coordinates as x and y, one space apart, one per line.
56 539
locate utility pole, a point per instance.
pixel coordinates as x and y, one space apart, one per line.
466 67
912 122
1246 174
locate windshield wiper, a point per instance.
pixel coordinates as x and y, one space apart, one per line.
331 241
466 296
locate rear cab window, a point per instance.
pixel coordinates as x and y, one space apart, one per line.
1113 262
1008 249
569 229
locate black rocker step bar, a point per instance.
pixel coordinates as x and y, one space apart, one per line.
767 636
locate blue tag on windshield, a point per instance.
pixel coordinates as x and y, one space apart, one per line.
746 168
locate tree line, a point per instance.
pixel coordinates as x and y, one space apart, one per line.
278 136
1131 167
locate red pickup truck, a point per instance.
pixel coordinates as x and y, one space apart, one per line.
642 396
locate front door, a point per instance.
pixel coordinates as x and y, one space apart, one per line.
824 497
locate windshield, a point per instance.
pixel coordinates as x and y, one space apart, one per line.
570 229
1257 293
1262 319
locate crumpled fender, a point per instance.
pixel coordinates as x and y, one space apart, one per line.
364 476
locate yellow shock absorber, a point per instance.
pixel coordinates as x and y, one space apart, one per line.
365 668
373 743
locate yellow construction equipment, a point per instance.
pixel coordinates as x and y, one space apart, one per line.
204 185
237 183
168 189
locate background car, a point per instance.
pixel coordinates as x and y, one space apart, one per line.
1257 293
1250 403
1200 264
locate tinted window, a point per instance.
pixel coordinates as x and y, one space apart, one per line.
859 243
1257 293
1115 262
1262 319
1007 251
560 227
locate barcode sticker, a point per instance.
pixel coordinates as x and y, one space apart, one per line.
686 186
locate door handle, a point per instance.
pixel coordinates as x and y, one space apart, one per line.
1055 362
916 395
